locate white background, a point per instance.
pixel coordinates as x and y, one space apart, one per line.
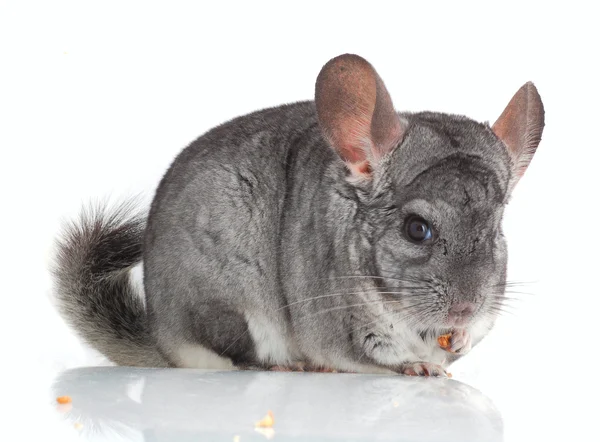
96 99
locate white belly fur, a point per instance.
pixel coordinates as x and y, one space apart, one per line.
196 356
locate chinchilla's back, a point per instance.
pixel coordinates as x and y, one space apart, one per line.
259 143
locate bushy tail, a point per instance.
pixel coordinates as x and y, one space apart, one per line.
93 288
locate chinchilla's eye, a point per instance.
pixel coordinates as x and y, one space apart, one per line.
417 229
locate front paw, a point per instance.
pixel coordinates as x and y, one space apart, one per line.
423 369
459 341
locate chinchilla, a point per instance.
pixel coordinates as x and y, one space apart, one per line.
330 234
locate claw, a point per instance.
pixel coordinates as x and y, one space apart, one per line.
423 369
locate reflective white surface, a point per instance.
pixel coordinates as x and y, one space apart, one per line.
116 403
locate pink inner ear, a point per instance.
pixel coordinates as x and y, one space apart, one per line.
353 141
362 168
520 127
508 129
355 112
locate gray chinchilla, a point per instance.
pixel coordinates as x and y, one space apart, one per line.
331 234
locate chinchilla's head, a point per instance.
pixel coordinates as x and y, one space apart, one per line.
432 188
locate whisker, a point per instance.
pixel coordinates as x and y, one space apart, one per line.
375 291
504 298
498 309
240 336
513 283
515 292
343 307
509 292
505 308
409 310
395 278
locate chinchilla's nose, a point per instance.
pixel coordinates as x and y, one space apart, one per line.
461 312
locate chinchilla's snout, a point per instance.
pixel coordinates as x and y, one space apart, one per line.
461 313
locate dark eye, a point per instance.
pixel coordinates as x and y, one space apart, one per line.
417 229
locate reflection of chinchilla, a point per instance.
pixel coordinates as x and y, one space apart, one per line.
336 233
187 403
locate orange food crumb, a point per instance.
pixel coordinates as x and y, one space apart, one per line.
64 399
444 341
267 421
449 375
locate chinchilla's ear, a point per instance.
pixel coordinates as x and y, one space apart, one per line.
520 128
356 113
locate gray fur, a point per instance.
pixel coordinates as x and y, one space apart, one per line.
93 289
259 222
